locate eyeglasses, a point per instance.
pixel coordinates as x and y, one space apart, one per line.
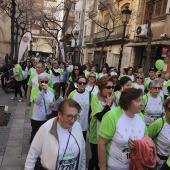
92 77
76 69
46 82
82 83
70 117
157 88
139 78
109 87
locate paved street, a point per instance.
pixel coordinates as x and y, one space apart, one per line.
14 138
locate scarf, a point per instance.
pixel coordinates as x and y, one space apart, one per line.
103 100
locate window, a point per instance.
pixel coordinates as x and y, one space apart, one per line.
159 9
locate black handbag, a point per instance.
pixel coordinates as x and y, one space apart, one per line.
38 165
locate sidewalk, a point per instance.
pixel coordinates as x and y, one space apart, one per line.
14 138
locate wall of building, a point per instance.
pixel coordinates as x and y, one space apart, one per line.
5 36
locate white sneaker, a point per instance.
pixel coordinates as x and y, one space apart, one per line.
13 98
20 100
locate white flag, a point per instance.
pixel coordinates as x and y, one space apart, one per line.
62 50
25 40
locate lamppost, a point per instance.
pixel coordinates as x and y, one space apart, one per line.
76 34
13 11
125 19
31 47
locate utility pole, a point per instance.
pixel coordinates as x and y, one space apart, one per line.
150 35
13 11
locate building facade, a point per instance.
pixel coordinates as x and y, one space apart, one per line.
160 45
42 40
98 19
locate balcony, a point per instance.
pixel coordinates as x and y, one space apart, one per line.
92 10
103 4
88 39
101 36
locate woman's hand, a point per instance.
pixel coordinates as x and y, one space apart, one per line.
44 87
131 144
110 99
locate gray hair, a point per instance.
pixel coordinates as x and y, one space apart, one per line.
43 76
154 82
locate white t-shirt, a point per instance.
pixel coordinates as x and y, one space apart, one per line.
83 100
153 109
140 86
55 79
68 149
163 144
95 89
120 128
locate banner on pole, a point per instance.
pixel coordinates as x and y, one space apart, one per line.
62 50
25 40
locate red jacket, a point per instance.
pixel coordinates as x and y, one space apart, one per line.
144 156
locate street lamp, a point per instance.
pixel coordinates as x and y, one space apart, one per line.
31 47
125 19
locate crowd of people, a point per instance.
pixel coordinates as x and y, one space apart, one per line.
120 111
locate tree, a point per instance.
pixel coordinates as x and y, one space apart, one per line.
150 35
59 23
19 12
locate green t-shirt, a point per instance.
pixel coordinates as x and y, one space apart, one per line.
117 128
17 69
96 107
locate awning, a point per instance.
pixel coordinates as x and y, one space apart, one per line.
145 43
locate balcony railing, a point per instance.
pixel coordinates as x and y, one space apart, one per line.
102 4
92 10
101 36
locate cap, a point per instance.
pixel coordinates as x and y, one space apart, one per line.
152 69
113 74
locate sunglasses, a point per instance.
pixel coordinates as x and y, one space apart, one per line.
55 63
157 88
75 69
82 83
92 77
109 87
139 78
46 82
